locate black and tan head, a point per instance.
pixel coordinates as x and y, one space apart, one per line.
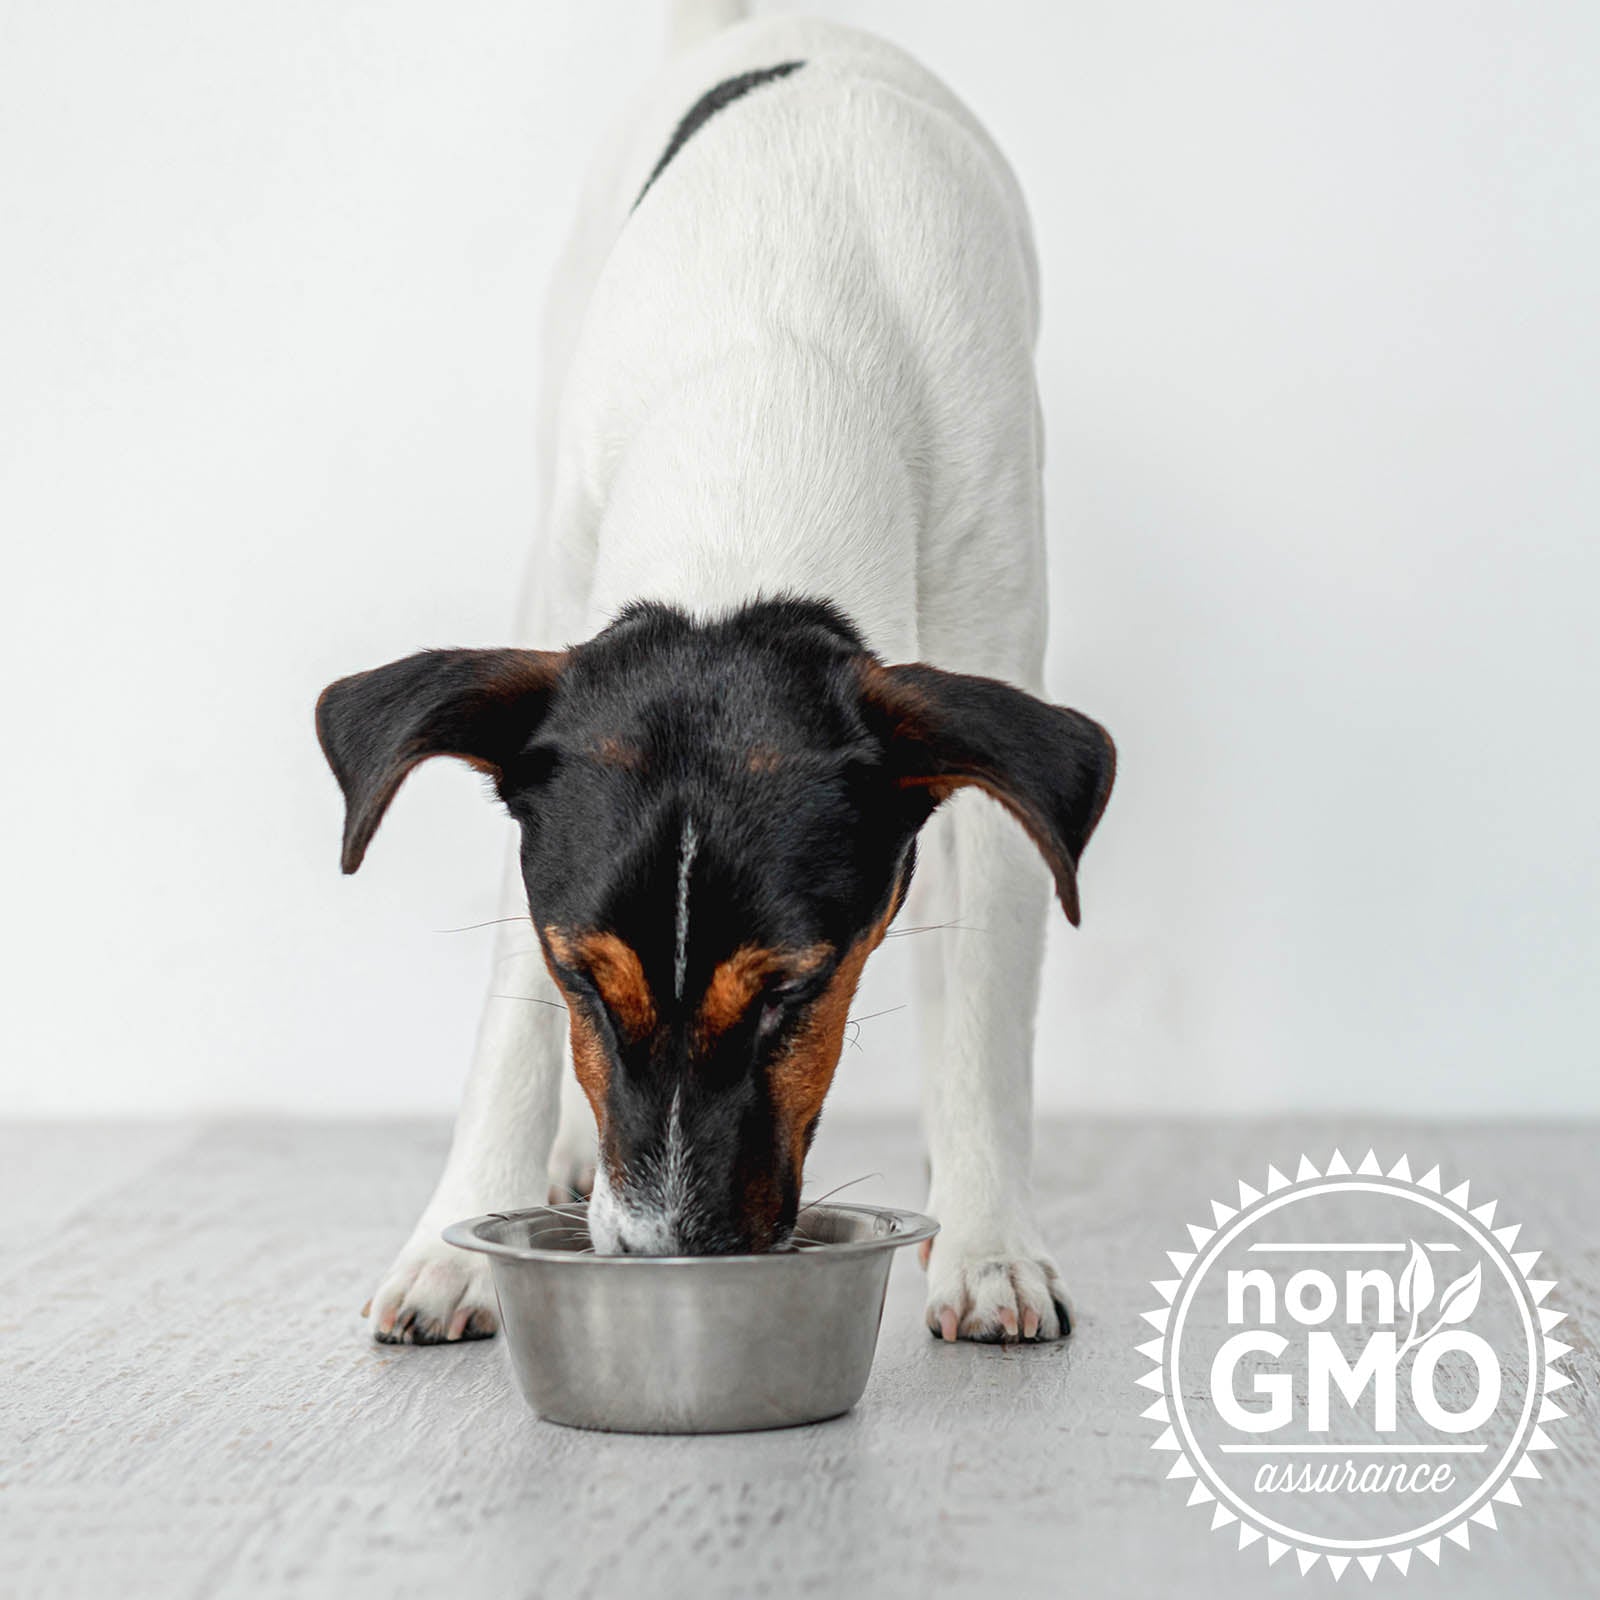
718 823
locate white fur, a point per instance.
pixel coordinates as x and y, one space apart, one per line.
804 363
645 1224
680 954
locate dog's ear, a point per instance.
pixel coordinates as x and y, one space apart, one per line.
478 705
1051 768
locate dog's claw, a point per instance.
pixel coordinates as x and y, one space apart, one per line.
994 1299
434 1294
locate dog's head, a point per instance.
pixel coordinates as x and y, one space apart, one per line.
718 823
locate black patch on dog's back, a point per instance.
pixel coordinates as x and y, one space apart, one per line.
715 99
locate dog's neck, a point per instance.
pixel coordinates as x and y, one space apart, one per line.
770 474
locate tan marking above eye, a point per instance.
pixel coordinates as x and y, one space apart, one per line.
737 981
612 965
764 758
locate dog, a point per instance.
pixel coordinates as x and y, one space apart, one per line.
792 446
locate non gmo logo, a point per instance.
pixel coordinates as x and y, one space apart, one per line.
1354 1365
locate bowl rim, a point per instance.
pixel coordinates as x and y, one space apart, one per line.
910 1227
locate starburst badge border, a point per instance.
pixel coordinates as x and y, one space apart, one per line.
1481 1219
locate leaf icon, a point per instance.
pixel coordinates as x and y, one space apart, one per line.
1416 1282
1460 1299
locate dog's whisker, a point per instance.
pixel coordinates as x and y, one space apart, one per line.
873 1015
493 922
532 999
849 1184
855 1022
517 955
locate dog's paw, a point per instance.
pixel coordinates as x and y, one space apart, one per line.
434 1294
994 1298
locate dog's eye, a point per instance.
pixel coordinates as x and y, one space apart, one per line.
770 1020
783 1002
580 986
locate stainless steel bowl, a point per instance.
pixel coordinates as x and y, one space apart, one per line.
691 1344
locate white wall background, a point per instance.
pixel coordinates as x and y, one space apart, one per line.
1320 377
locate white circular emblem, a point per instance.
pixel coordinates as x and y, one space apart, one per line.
1353 1365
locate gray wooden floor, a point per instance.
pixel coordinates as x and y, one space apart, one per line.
191 1405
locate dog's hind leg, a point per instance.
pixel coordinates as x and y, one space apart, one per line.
499 1155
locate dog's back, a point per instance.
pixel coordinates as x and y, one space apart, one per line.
794 349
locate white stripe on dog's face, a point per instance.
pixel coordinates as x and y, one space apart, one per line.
687 846
647 1219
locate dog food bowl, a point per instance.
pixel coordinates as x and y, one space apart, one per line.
691 1344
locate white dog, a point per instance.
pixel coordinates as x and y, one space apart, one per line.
792 436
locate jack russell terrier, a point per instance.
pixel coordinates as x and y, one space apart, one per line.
792 446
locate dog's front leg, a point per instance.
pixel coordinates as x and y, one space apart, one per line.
498 1158
989 1277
